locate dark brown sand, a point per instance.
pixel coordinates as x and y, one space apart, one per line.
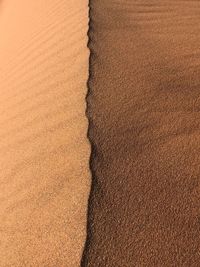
143 107
44 150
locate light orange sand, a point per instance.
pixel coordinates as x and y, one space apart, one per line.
44 151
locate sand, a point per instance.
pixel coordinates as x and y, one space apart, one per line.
44 150
143 107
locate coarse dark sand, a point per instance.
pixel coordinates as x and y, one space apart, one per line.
143 107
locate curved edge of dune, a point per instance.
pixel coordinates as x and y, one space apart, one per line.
84 259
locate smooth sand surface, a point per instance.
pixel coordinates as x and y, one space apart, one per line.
144 108
44 151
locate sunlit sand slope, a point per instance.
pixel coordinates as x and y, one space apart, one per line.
44 152
144 108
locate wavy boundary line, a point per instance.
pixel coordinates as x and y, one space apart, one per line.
84 258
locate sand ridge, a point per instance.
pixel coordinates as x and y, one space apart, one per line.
44 151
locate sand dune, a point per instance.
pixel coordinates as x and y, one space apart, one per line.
144 114
44 152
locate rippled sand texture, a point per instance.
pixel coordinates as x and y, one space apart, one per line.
144 108
44 152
